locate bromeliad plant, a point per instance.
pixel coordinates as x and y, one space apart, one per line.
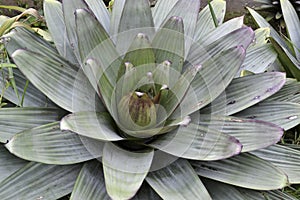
142 104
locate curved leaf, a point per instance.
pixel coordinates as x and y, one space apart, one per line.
222 30
60 81
57 28
211 80
48 144
90 183
285 158
290 92
188 11
14 120
91 124
168 43
292 22
283 114
244 170
9 163
205 23
36 180
246 91
161 11
259 59
252 134
177 181
69 8
130 25
198 143
100 11
124 171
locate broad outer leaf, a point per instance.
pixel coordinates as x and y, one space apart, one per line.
285 158
90 183
91 124
244 170
177 181
57 28
283 114
211 80
246 91
161 11
124 171
198 143
9 163
48 144
252 134
14 120
58 79
39 181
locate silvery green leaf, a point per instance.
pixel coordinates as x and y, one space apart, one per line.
124 171
222 30
9 163
244 170
161 11
205 50
252 134
61 81
290 92
130 25
14 120
283 114
101 12
177 181
220 191
188 11
259 59
48 144
91 124
205 23
36 180
197 142
285 158
168 43
90 183
69 8
57 28
246 91
213 77
292 22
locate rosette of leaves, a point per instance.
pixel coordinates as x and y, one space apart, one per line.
287 46
142 104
